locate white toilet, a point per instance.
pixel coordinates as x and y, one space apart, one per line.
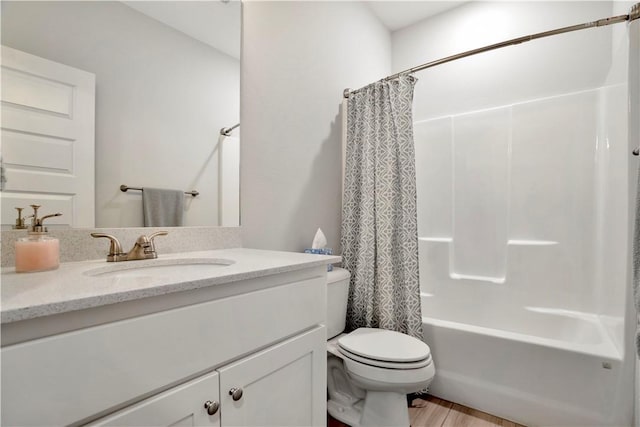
370 371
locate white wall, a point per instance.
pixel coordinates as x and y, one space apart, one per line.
161 98
297 58
527 71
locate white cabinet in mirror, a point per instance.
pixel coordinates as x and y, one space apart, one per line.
162 79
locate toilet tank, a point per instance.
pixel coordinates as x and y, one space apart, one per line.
337 296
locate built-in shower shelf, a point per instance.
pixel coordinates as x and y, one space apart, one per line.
511 242
457 276
518 242
501 273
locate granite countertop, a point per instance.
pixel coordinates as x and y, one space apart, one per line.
79 285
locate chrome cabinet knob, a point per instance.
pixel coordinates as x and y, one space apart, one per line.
211 407
236 393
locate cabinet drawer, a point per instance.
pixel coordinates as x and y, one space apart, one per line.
81 374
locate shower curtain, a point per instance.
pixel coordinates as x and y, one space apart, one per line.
379 218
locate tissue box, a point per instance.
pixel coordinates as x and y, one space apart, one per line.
324 251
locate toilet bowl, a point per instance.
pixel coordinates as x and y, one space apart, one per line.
370 371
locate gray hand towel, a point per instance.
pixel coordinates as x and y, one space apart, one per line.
162 208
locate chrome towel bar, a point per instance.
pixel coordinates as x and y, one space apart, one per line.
125 188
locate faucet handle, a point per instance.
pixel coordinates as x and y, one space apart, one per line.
153 236
115 248
150 248
156 234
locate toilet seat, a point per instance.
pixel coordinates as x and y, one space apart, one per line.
385 349
385 364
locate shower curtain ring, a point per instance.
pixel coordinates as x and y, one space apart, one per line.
636 152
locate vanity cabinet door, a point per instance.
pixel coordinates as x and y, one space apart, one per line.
284 385
183 405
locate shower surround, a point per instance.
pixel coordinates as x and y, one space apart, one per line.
523 211
522 256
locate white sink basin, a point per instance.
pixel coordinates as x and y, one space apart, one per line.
160 267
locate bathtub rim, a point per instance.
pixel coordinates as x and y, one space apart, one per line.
607 349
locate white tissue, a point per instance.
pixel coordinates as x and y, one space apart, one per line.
319 241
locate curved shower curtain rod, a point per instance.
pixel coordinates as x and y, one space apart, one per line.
634 14
227 131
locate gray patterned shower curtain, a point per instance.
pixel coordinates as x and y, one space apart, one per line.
379 218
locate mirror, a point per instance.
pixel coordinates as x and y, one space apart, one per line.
167 79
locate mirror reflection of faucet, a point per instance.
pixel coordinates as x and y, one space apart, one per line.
20 225
143 248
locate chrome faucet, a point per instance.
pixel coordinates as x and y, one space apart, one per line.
143 248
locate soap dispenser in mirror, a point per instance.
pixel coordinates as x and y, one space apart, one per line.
19 221
38 251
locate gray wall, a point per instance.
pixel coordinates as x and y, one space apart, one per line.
297 57
161 99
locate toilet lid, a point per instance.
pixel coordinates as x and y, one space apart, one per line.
380 344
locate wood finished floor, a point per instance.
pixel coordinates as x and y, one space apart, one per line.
433 412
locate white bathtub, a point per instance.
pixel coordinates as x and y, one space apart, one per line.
532 365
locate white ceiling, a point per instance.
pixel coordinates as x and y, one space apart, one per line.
214 22
399 14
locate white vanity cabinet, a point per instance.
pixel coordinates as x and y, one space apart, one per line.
165 357
274 387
